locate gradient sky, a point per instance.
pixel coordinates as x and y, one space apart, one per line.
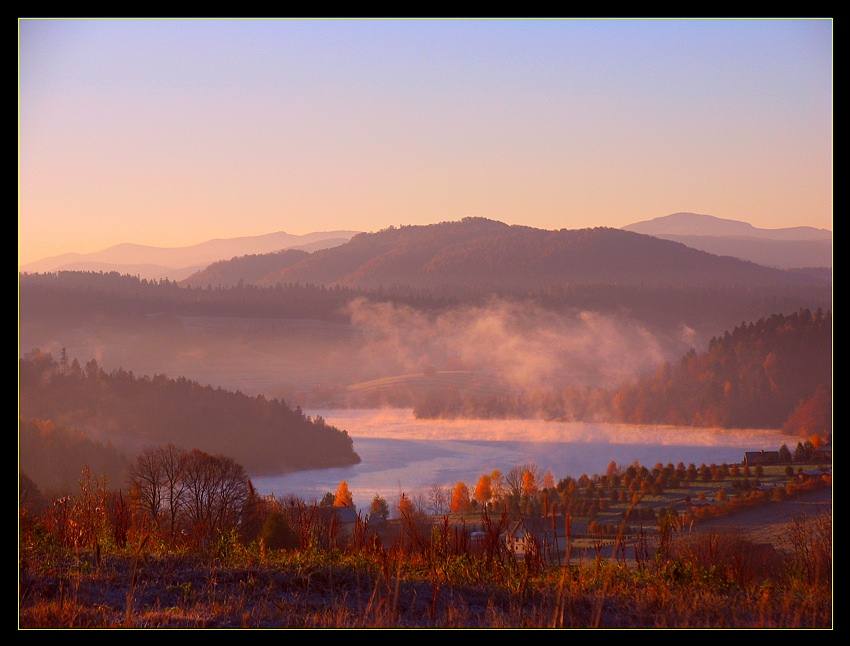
173 132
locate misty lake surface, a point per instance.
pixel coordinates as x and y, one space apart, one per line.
402 454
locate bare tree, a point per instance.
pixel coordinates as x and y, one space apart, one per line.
157 477
216 493
438 496
195 491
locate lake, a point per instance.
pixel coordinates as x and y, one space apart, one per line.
401 454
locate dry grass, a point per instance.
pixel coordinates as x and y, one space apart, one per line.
433 579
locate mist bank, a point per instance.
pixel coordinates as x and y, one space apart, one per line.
774 372
402 424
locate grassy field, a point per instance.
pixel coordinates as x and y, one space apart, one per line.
427 574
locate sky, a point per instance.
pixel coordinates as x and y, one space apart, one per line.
173 132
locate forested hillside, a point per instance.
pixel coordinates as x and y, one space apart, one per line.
775 372
264 435
54 456
758 375
249 269
486 253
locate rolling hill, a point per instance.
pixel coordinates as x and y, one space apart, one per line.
477 252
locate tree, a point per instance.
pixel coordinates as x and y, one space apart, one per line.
343 496
529 485
29 496
497 484
483 490
813 415
158 481
405 507
277 533
439 498
460 499
215 495
379 508
515 479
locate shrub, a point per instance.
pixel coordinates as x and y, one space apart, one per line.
277 534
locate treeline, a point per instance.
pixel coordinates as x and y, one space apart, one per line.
265 435
94 295
775 372
250 268
67 298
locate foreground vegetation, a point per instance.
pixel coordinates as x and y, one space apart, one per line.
93 561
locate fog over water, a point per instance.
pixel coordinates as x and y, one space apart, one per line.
403 454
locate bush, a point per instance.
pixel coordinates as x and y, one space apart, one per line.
277 534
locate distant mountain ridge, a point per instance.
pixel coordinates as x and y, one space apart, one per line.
468 249
485 253
786 248
177 263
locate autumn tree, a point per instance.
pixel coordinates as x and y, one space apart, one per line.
461 502
483 490
343 497
529 485
497 485
405 507
813 415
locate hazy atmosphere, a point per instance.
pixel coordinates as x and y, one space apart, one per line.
425 323
174 132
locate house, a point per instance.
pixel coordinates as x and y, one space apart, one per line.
546 535
339 520
761 457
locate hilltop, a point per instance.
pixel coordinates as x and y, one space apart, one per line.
477 252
